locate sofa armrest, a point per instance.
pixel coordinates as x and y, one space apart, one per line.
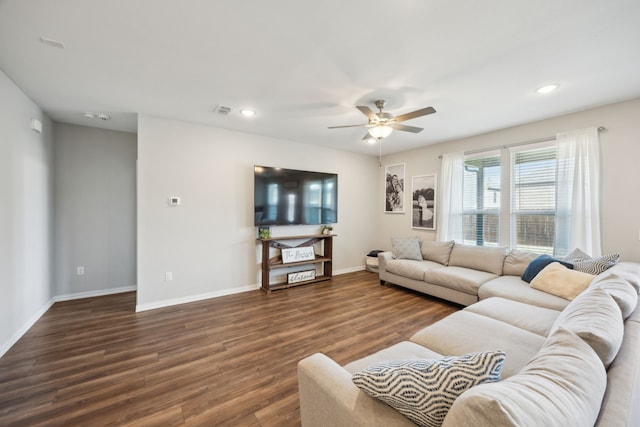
329 398
383 257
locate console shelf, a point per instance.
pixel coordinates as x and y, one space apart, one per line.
272 263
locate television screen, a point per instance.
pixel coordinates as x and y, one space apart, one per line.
294 197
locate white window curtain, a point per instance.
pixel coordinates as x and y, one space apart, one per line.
578 192
450 205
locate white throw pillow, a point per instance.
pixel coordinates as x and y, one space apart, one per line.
406 248
558 280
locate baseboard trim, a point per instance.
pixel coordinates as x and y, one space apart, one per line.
23 330
194 298
348 270
91 294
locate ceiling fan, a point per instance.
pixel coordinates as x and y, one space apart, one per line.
381 124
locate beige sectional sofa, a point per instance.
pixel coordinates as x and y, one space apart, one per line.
568 363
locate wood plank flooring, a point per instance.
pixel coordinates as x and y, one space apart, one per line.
228 361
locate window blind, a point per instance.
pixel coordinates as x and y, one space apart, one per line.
481 199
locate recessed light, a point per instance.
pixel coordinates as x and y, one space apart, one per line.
247 112
547 88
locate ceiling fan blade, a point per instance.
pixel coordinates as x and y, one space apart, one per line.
414 114
348 126
367 136
367 112
406 128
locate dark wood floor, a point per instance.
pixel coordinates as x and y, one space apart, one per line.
228 361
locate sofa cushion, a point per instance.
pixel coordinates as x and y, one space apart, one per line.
529 317
538 264
482 258
458 278
620 404
437 251
622 292
406 248
595 317
516 289
558 280
402 350
562 385
465 332
516 262
423 390
410 268
629 271
586 264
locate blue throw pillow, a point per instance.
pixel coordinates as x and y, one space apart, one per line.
538 264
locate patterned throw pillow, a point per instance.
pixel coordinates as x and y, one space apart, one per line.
423 390
406 248
586 264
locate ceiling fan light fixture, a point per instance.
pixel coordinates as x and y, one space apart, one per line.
380 131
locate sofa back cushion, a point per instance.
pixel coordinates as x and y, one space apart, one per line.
437 251
516 262
596 318
483 258
562 385
622 292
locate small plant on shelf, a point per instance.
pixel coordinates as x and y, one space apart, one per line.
264 233
326 229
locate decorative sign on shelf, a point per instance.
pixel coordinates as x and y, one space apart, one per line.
304 253
301 276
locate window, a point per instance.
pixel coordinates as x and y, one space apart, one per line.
522 216
481 200
533 199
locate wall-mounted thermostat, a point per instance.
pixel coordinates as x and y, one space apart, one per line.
174 201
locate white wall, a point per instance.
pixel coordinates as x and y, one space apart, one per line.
620 174
25 214
209 241
94 211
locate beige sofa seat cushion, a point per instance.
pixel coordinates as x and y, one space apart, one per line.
595 317
516 262
404 350
411 269
465 332
437 251
458 278
531 318
482 258
516 289
562 385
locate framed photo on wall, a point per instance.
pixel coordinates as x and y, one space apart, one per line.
394 191
423 202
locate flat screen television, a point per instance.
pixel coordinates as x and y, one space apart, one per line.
294 197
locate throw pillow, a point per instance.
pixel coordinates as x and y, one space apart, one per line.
406 248
558 280
586 264
437 251
423 390
538 264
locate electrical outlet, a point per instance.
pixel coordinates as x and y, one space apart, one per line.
80 271
168 276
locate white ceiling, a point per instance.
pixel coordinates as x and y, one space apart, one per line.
304 65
